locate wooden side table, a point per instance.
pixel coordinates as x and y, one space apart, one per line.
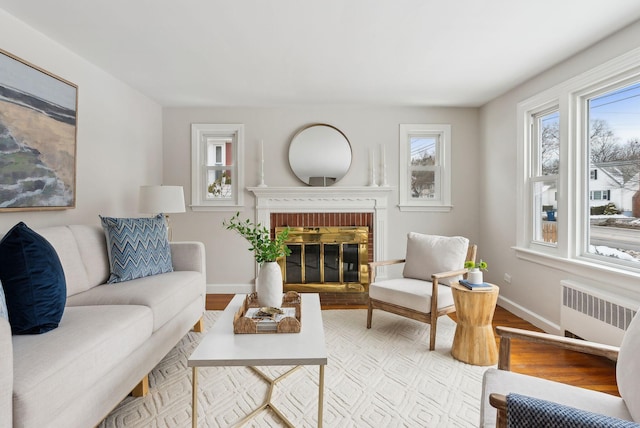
474 342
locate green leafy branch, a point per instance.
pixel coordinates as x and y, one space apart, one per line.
265 249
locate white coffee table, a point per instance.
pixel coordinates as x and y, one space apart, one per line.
221 347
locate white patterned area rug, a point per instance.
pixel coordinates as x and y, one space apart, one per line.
382 377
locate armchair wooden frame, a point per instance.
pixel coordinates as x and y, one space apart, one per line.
499 401
430 317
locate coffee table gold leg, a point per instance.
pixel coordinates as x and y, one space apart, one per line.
320 395
194 398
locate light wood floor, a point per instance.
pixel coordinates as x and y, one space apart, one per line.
533 359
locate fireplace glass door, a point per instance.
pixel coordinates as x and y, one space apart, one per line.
326 259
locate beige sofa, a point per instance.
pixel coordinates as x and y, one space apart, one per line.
110 336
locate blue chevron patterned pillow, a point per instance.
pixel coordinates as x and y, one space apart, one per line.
137 247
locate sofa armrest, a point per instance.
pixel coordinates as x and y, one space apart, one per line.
188 256
6 374
586 347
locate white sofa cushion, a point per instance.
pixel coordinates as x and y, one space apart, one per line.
410 293
92 246
429 254
6 374
63 241
166 295
89 342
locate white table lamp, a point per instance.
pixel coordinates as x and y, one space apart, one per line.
161 199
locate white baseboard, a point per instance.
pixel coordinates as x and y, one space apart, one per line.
230 288
531 317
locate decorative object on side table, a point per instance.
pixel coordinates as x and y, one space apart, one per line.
474 276
266 251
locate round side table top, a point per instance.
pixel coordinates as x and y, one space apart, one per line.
460 287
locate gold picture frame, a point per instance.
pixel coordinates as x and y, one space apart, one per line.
38 137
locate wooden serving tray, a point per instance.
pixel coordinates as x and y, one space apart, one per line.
288 324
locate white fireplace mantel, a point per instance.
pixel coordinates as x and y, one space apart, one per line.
327 199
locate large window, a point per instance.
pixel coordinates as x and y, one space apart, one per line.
425 167
579 163
216 170
613 147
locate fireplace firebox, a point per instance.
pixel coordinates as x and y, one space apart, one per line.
327 258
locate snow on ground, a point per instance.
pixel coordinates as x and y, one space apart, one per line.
611 252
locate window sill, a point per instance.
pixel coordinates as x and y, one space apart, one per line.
608 276
426 208
216 207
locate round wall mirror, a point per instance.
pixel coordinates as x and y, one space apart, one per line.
320 154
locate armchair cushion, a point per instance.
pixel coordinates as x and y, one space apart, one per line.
505 382
429 254
410 293
524 411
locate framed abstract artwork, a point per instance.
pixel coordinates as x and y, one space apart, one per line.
38 129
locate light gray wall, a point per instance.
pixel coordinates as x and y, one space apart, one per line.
228 260
119 141
535 289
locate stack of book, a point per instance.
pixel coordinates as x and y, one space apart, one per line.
269 322
471 286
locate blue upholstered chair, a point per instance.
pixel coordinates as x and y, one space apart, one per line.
572 401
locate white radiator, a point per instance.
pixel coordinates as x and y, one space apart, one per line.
595 315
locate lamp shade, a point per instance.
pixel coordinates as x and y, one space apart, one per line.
161 199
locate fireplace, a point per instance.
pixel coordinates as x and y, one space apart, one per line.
334 206
326 259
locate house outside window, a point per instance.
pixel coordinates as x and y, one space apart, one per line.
217 175
425 167
596 186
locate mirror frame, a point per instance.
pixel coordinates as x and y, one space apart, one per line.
321 180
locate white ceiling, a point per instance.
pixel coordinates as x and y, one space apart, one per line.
302 52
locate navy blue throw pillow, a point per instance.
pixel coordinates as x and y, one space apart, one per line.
33 281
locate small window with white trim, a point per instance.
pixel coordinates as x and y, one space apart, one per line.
425 167
217 176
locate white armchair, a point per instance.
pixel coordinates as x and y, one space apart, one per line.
423 293
497 383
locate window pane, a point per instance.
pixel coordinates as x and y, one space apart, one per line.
219 152
549 140
219 184
424 151
424 185
545 212
614 156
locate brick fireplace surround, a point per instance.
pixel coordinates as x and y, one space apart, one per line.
328 206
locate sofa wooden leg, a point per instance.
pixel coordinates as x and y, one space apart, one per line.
142 388
199 326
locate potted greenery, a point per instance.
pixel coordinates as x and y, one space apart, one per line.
266 252
474 276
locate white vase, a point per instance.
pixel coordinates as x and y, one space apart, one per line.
475 276
269 285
